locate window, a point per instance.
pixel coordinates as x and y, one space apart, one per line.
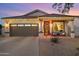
58 28
34 25
13 25
20 25
27 25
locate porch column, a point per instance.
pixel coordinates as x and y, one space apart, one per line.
72 33
50 27
72 30
72 25
41 26
66 27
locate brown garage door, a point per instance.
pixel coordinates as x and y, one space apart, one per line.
24 29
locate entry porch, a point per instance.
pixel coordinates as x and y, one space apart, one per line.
62 26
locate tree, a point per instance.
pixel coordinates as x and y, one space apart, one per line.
0 26
0 29
63 7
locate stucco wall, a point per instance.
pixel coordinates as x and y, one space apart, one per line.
36 20
76 26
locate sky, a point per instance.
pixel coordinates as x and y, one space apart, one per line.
16 9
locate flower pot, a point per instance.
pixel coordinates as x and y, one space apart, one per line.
72 35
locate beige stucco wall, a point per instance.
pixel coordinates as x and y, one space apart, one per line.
34 20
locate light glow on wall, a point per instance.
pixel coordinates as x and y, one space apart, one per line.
6 26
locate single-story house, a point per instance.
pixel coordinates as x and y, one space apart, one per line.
37 21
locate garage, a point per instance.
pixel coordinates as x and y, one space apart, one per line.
28 29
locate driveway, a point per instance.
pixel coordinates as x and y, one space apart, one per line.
38 46
19 46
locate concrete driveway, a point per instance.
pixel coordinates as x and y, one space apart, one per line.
37 46
19 46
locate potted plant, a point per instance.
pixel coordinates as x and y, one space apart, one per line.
72 34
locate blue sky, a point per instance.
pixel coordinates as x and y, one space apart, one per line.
12 9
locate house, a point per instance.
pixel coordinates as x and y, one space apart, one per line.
37 21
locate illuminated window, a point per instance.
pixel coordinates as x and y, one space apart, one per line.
34 25
13 25
27 25
20 25
58 28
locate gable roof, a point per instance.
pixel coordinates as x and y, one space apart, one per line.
58 15
32 14
38 13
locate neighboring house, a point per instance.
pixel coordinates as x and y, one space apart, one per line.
37 21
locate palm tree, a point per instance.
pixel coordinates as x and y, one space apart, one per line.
63 7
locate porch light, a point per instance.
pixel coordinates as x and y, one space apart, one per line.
6 25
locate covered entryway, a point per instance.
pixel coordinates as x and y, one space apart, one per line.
28 29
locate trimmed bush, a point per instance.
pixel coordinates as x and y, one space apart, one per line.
0 26
55 40
0 29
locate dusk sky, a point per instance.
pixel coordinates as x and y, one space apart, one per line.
12 9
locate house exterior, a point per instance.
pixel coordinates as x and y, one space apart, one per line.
37 21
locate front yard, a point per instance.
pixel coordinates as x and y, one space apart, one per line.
66 47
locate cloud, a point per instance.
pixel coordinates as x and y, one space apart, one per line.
10 13
74 12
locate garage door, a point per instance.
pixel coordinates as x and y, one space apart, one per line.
24 29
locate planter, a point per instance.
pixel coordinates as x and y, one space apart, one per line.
72 35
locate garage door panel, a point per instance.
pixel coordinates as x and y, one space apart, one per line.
24 30
13 30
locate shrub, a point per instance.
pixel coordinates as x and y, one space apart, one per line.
0 26
55 40
72 31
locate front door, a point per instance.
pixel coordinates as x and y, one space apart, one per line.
46 27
